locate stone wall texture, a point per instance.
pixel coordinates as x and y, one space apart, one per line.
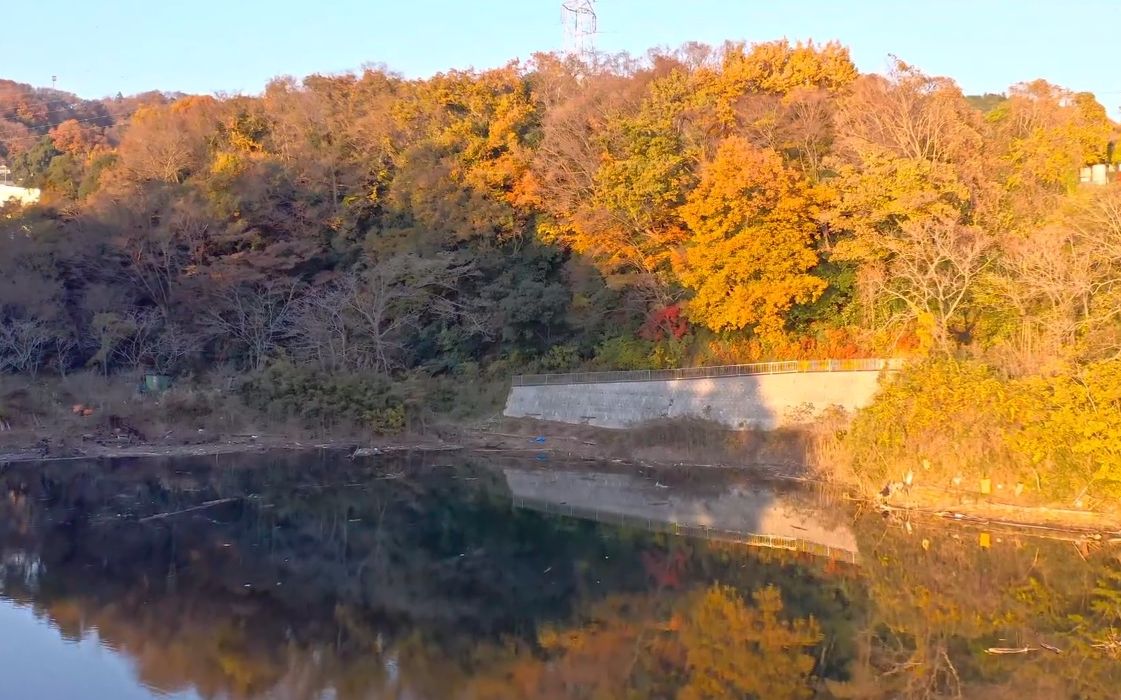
763 401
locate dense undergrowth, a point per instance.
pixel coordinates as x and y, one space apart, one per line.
953 423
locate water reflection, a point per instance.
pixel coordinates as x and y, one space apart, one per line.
297 576
763 515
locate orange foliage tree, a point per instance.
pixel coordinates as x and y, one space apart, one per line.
751 245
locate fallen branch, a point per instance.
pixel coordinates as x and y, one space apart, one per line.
1009 650
192 509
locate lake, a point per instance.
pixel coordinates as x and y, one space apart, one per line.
448 575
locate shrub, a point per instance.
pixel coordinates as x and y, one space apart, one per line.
630 353
388 421
624 353
1058 435
949 415
561 358
283 390
1071 434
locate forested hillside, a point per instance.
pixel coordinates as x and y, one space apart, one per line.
700 206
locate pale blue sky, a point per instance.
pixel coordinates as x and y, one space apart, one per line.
97 47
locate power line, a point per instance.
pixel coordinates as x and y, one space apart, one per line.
76 104
57 106
48 120
31 138
58 100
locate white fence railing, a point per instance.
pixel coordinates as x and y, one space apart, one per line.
652 375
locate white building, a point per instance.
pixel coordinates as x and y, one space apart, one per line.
9 190
23 195
1097 174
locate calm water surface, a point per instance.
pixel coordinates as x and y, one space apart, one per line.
429 576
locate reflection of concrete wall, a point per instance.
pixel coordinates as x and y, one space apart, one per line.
22 195
755 401
737 511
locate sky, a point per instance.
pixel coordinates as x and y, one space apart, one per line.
236 46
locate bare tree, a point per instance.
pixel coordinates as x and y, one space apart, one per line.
933 266
799 124
255 317
63 346
1047 279
174 346
143 338
321 332
138 332
395 294
807 127
364 320
1096 224
910 115
1097 221
167 142
23 345
1064 282
159 240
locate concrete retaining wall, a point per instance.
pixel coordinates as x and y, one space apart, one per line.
762 401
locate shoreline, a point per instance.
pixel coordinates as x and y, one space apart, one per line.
578 445
979 510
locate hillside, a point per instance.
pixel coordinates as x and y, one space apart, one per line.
362 247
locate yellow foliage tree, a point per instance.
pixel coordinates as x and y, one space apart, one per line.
880 194
1041 136
775 67
751 248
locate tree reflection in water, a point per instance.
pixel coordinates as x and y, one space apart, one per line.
312 575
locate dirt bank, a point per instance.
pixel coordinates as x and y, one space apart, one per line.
672 443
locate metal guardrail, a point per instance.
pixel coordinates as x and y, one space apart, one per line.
785 367
750 539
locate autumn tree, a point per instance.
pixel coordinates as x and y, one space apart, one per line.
75 139
168 143
774 69
623 169
909 153
916 136
1063 281
553 210
1042 134
932 268
751 246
